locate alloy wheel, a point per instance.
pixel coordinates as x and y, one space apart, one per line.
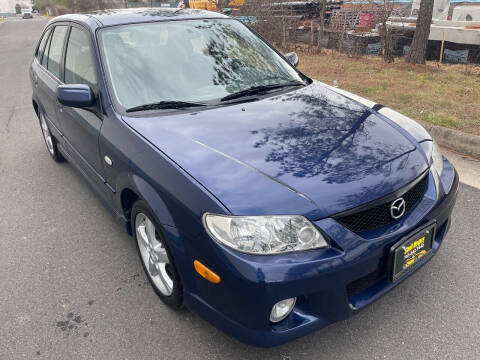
46 135
153 254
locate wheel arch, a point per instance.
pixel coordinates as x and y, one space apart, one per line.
36 107
132 188
127 199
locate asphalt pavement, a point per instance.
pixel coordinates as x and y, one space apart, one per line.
72 287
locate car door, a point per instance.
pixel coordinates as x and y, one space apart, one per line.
46 74
81 127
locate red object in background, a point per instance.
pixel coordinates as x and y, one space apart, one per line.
367 19
449 17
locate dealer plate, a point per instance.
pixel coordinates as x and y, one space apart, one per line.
406 254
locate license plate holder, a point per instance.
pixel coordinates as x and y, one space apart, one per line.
406 254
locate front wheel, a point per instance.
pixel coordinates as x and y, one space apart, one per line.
155 256
50 141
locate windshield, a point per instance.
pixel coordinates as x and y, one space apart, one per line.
191 60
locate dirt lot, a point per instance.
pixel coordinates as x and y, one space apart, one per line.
446 95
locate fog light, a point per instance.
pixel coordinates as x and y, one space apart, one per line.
281 309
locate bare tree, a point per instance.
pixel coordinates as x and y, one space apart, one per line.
418 50
386 36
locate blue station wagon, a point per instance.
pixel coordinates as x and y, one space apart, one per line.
266 202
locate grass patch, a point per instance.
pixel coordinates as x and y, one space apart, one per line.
446 95
439 119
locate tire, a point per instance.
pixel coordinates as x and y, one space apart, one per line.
155 256
50 141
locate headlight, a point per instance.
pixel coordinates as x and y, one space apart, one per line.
264 235
434 155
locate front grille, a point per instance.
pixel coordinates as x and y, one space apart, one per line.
378 216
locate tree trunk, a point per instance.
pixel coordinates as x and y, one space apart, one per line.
100 5
322 25
387 42
342 34
418 50
311 33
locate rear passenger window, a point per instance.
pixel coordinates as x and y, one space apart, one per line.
41 48
79 68
55 52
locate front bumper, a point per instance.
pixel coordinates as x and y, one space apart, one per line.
330 284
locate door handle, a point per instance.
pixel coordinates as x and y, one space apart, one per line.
35 79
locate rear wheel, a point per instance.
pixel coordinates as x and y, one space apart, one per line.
50 141
155 256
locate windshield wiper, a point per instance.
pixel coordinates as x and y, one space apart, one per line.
165 105
260 89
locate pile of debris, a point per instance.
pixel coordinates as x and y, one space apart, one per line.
357 27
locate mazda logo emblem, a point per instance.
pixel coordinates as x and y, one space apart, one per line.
397 208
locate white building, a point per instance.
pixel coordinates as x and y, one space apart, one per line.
8 6
466 13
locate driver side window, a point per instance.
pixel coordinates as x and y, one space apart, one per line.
79 67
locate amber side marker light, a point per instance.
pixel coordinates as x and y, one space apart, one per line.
205 272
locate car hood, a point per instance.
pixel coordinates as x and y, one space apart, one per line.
310 151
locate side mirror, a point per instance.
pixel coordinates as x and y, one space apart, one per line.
292 58
77 96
